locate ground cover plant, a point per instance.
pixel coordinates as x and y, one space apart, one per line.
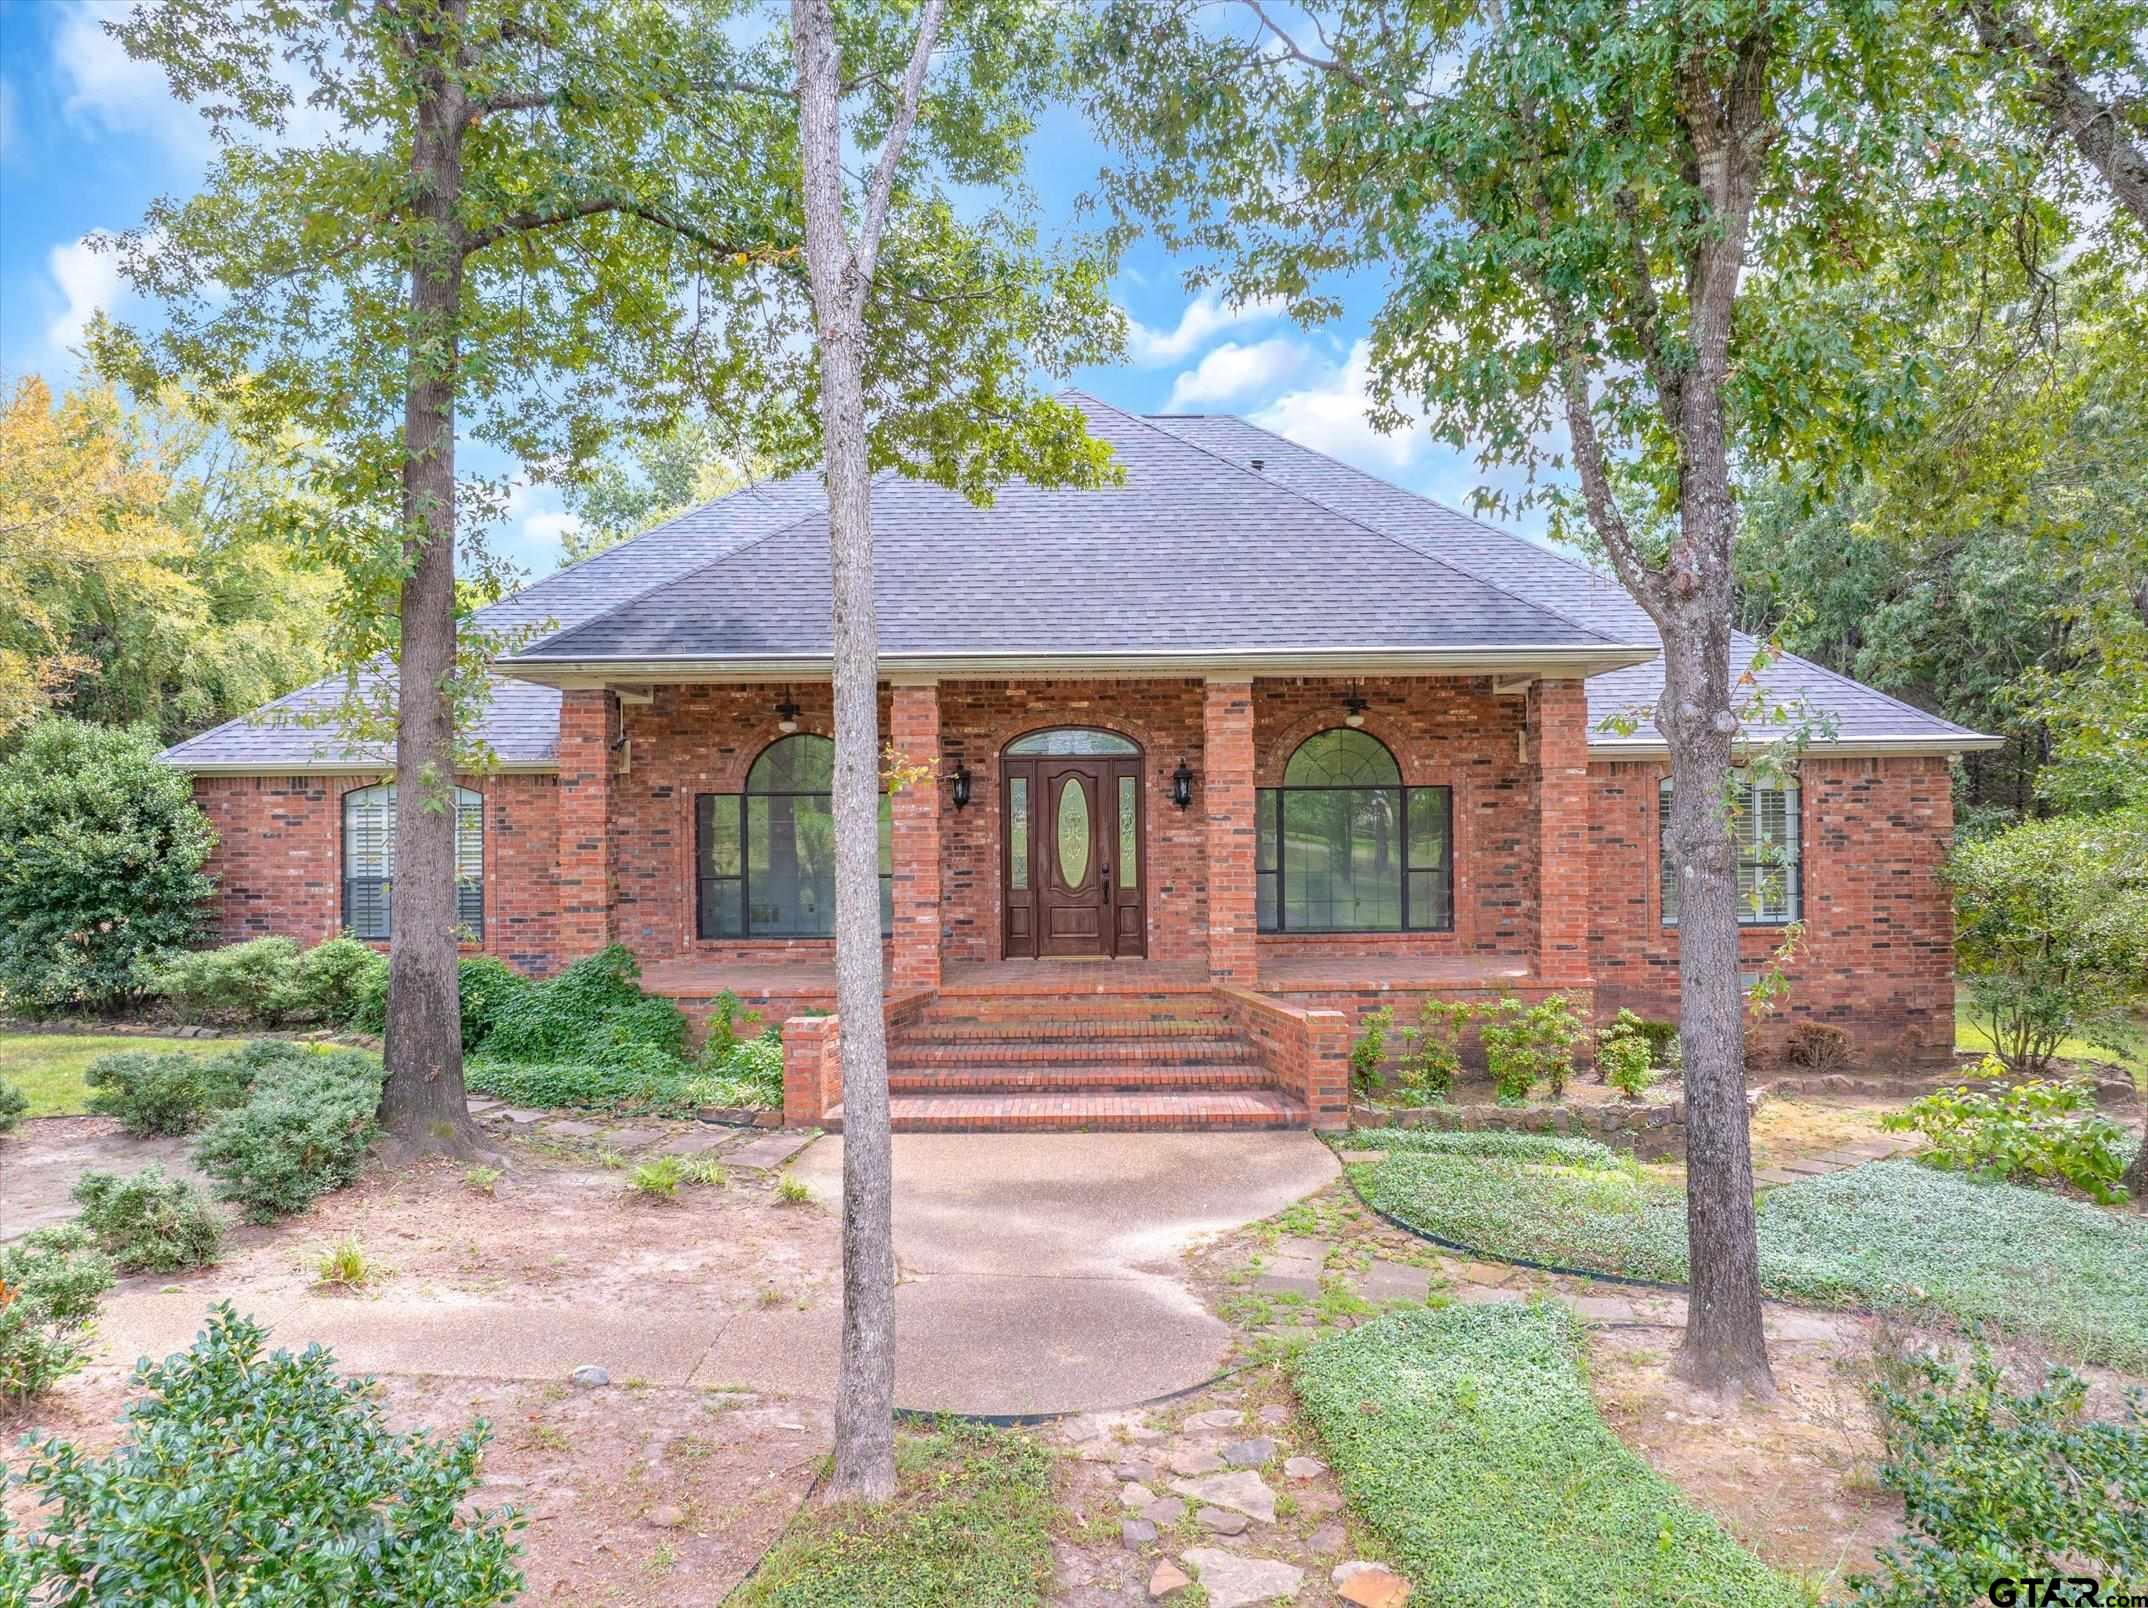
151 1222
2037 1131
2005 1483
971 1522
50 1283
1466 1438
258 1477
1892 1235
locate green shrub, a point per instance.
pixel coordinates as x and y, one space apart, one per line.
259 1478
252 983
1467 1440
369 998
594 1011
171 1093
750 1076
1891 1235
1432 1051
330 981
659 1179
486 985
2051 932
2036 1131
50 1282
13 1103
301 1133
101 855
1525 1045
730 1025
2001 1484
150 1223
1624 1060
1369 1051
654 1085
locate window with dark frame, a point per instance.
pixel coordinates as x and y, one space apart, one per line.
764 859
369 862
1343 846
1771 863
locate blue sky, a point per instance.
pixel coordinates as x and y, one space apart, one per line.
88 138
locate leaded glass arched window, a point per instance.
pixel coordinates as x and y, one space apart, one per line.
765 858
1343 846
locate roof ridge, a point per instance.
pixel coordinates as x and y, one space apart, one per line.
1349 518
565 570
1588 570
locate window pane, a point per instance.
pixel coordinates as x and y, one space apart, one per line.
1431 901
1428 828
1341 758
1072 740
1264 898
1342 860
1018 832
1264 841
887 904
1073 833
1764 826
716 834
790 866
887 833
721 913
1129 839
365 907
800 764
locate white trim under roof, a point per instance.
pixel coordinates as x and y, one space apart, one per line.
321 767
1563 659
1637 748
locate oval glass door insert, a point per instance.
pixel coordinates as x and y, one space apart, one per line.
1073 833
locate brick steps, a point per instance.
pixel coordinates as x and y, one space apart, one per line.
1069 1077
908 1054
935 1030
1162 1111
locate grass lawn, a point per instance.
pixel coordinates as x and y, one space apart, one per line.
1467 1439
1973 1040
48 1067
971 1523
1893 1235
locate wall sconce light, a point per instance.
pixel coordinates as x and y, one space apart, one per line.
1356 717
962 786
786 717
1182 786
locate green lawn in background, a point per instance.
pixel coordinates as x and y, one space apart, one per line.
1973 1040
48 1067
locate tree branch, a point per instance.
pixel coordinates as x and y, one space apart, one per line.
591 206
882 188
2096 127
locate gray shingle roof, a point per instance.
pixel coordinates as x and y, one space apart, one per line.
1556 582
1196 553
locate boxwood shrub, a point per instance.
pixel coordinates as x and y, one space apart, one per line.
259 1478
1466 1438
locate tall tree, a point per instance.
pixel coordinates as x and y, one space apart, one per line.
658 478
1642 226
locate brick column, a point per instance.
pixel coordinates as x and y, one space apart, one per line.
1226 785
1558 754
585 842
914 721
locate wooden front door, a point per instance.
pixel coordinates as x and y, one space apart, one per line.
1072 828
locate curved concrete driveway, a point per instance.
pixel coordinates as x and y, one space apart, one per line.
1040 1272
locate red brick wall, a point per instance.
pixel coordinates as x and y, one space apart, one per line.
979 718
1879 928
1451 732
278 859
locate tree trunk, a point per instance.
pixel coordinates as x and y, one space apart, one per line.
865 1379
2136 1175
422 1105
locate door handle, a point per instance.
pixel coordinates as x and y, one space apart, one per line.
1104 873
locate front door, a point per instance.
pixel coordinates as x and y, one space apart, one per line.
1073 883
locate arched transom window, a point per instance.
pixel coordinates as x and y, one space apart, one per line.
369 861
765 858
1343 846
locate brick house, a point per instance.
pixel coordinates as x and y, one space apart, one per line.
1224 758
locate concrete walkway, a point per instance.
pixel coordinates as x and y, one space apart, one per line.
1039 1273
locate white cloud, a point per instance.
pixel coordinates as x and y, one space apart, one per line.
1232 371
107 89
87 281
1330 416
1204 319
548 530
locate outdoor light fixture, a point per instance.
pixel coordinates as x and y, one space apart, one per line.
1182 786
962 785
787 717
1356 716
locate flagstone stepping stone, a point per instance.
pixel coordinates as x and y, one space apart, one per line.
1133 1494
696 1143
1217 1418
1245 1491
1484 1272
1369 1585
1393 1281
1235 1581
770 1150
1810 1168
1192 1462
1603 1309
1362 1158
1164 1512
521 1118
573 1130
1249 1453
1305 1468
1482 1295
1275 1413
479 1108
1289 1275
1327 1540
1772 1177
632 1138
1299 1248
1167 1580
1134 1534
1221 1521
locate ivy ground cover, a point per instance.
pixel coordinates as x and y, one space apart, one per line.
1467 1438
1892 1236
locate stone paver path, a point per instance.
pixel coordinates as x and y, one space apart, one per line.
759 1149
1819 1163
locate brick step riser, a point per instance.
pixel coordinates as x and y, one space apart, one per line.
1076 1027
1190 1052
1077 1080
1221 1122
